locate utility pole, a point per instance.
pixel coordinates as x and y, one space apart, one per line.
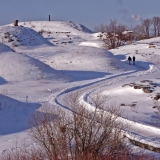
49 18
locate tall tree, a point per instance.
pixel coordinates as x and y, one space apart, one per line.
147 26
156 26
139 31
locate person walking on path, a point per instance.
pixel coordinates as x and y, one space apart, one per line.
129 59
134 58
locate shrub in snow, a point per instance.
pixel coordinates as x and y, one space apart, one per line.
83 133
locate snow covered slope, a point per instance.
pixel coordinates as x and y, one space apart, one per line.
56 26
17 67
59 32
87 59
21 36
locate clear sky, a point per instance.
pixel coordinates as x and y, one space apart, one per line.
90 13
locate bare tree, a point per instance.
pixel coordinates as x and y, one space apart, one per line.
110 40
80 134
139 31
156 26
116 30
112 34
147 26
100 28
112 26
113 31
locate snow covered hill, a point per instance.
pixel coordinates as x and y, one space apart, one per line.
56 26
21 36
75 61
17 67
59 32
87 59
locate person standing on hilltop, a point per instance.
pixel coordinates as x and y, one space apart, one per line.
134 58
129 59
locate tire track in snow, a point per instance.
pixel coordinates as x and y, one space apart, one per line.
116 80
98 83
136 127
135 130
53 99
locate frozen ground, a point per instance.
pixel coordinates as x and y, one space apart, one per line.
42 62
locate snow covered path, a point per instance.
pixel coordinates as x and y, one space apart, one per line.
144 133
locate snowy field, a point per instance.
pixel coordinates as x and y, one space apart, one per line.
43 62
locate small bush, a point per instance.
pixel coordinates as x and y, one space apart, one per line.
82 134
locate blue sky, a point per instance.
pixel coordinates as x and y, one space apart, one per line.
87 12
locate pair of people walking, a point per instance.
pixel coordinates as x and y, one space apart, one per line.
130 59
